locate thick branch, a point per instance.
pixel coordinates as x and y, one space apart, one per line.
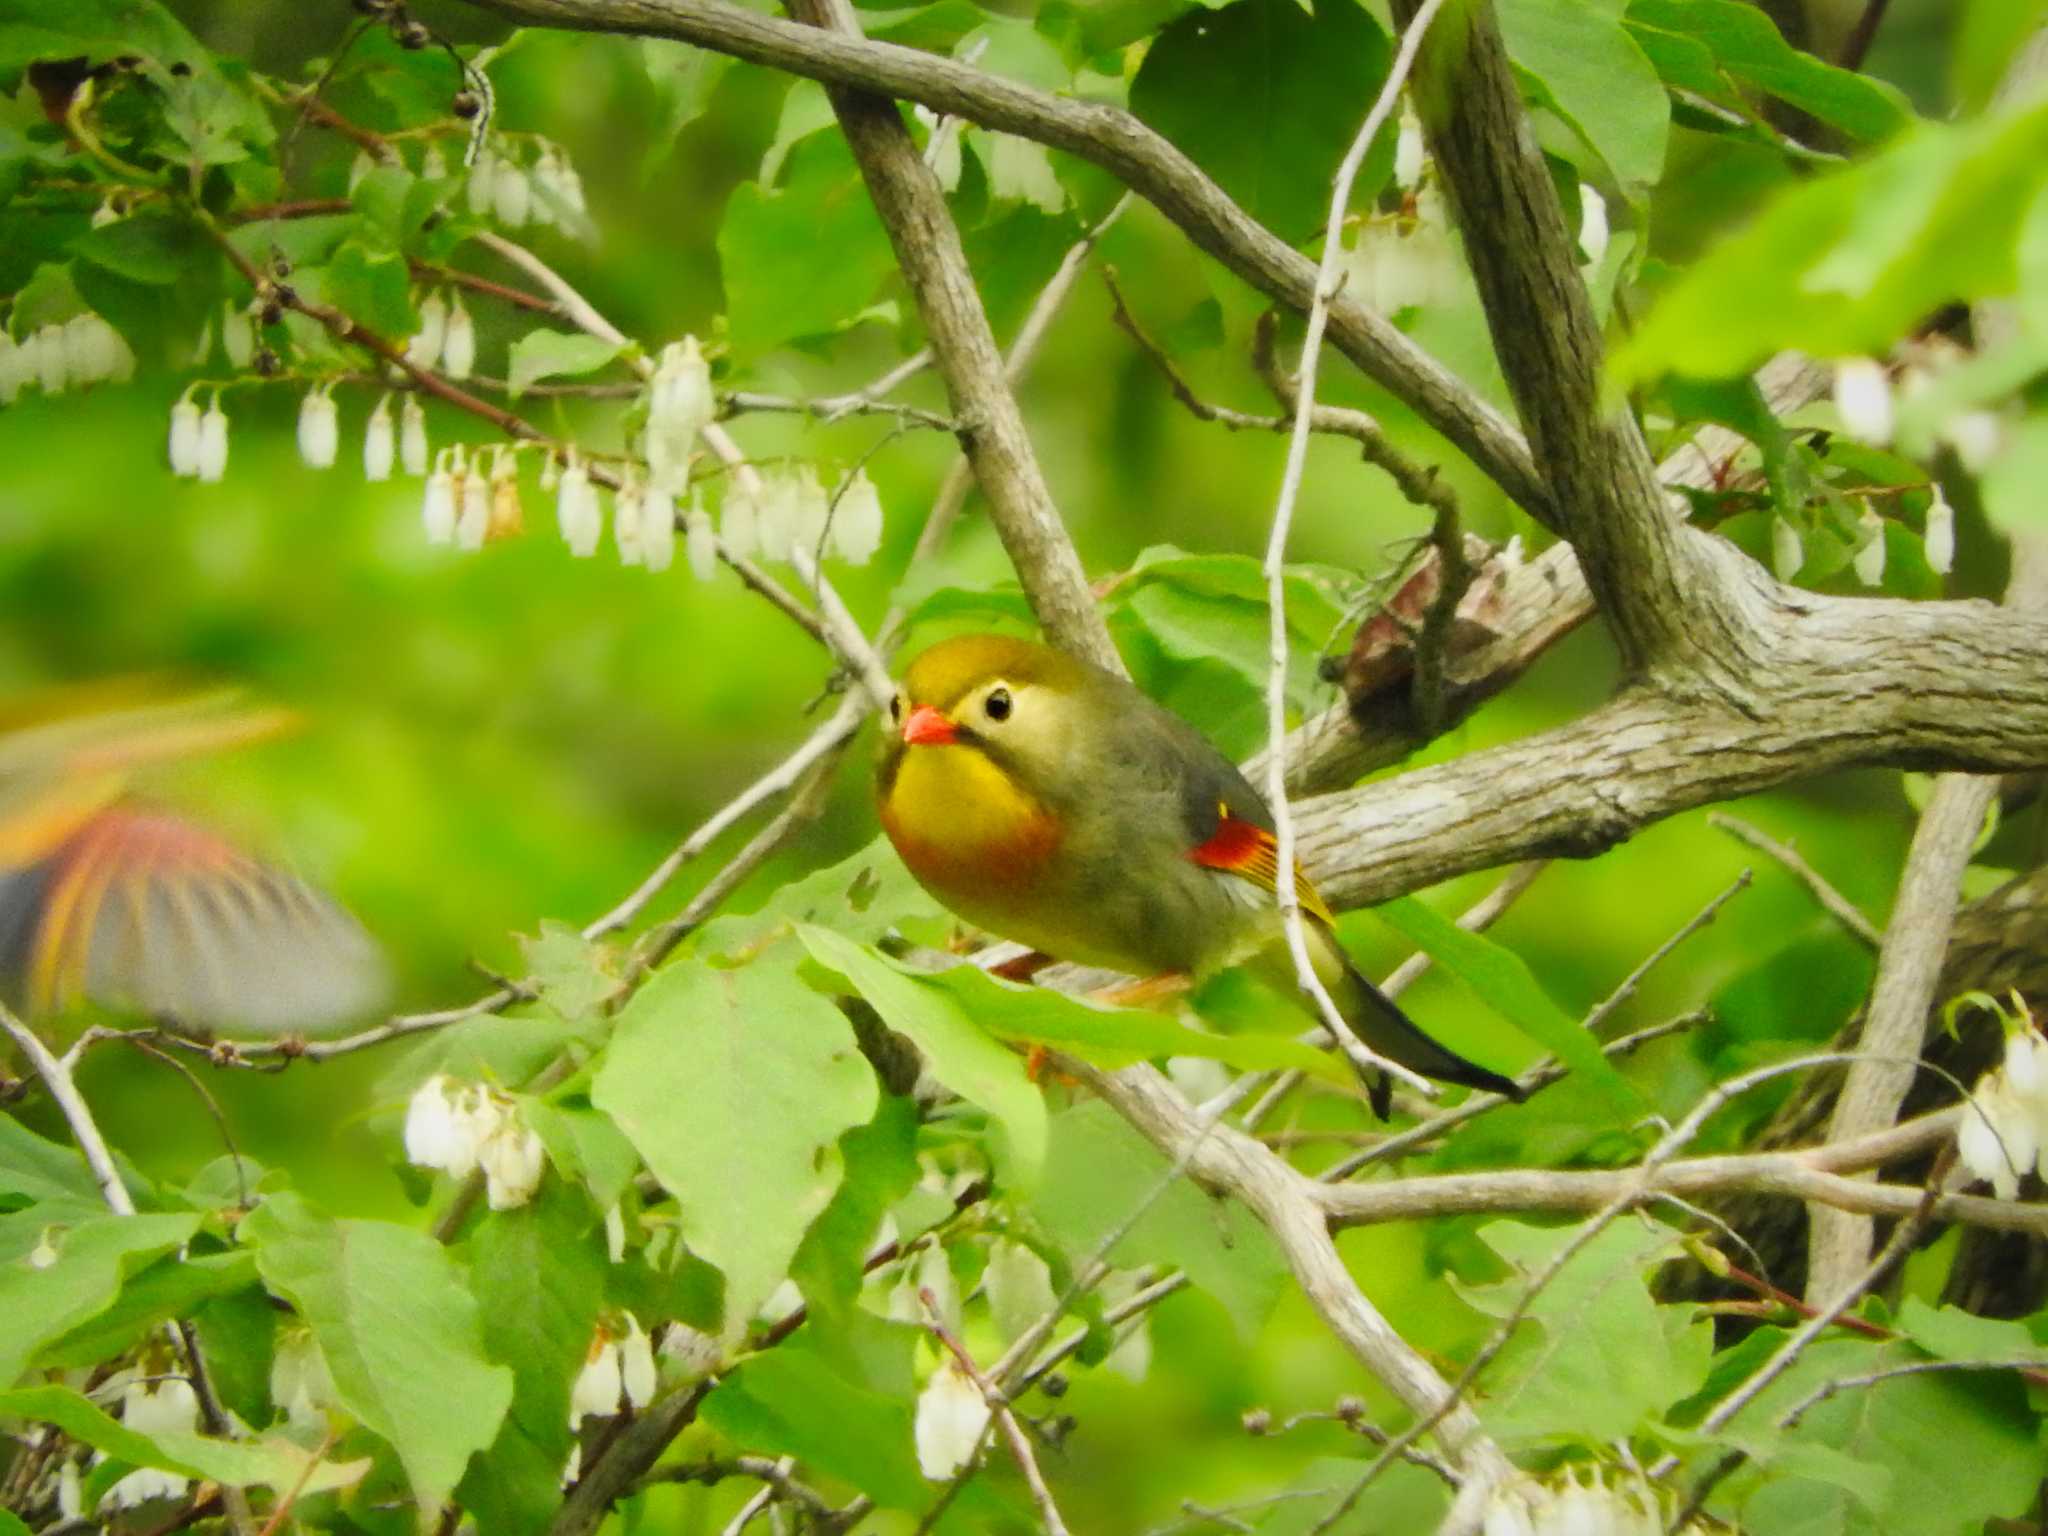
1846 682
1656 585
1107 136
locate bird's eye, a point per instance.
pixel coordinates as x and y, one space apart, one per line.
896 707
997 705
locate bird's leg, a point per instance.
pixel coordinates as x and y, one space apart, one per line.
1147 991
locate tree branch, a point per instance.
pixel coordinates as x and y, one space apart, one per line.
1105 136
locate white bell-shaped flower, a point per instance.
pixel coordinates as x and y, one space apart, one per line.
300 1383
380 442
1409 150
458 343
739 522
513 1160
511 194
637 1376
700 542
1939 539
53 360
951 1416
184 438
680 404
424 349
813 509
412 436
857 524
237 335
1863 398
437 506
1869 557
578 512
483 180
319 429
1593 231
212 460
776 514
473 508
626 519
598 1385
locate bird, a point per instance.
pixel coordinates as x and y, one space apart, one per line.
1049 801
108 898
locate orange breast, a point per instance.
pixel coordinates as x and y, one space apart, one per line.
965 829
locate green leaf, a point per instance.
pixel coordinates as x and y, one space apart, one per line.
374 289
272 1461
1265 97
1100 1171
1116 1037
791 1402
94 1256
1597 79
1746 48
1950 1333
863 896
575 976
957 1051
735 1086
172 1287
585 1145
400 1332
147 247
540 1274
1846 262
1987 42
543 354
776 289
881 1168
1501 979
683 79
1595 1360
36 1169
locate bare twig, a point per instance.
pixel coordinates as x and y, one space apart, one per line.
1327 282
1908 970
999 1409
1838 906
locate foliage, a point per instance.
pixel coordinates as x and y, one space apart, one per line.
267 205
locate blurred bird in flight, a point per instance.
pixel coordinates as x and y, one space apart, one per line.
142 911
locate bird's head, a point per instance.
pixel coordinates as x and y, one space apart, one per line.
981 702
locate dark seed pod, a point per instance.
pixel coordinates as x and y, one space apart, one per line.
1053 1385
280 266
273 312
266 362
412 34
1257 1421
466 104
287 295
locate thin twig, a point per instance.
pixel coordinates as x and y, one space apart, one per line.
1327 284
1839 906
740 401
999 1409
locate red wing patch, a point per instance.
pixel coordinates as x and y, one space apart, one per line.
1240 848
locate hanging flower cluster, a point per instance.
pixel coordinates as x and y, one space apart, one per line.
952 1415
446 338
461 1127
1619 1503
618 1372
82 351
547 191
2003 1135
168 1405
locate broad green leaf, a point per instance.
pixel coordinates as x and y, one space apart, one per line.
35 1169
1116 1037
400 1331
1265 97
1746 49
2012 483
1959 1448
1499 977
540 1273
271 1460
574 975
1100 1172
1595 1360
1950 1333
881 1168
174 1286
791 1402
585 1145
543 354
864 896
963 1056
148 247
373 288
735 1086
1988 38
776 289
683 78
1596 78
1846 262
94 1256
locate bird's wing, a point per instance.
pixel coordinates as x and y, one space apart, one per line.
1238 846
145 911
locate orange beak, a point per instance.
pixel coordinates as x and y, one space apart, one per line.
926 727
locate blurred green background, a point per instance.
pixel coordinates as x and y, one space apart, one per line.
499 738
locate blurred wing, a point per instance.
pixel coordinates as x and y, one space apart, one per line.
1249 851
146 913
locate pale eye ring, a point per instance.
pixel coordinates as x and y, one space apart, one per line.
997 705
